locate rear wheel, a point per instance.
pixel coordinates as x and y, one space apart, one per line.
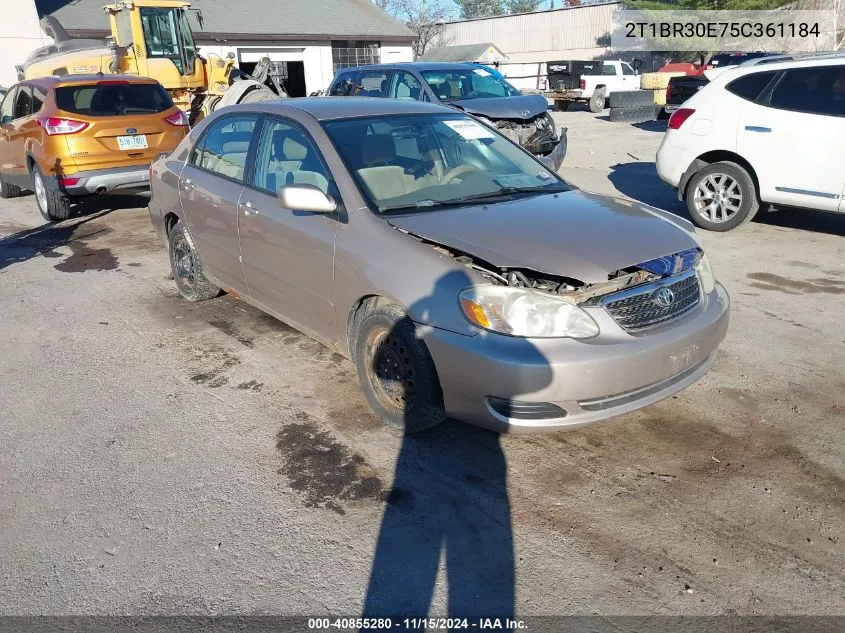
597 101
722 196
7 190
185 262
53 204
397 373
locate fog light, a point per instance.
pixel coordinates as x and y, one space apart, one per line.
525 410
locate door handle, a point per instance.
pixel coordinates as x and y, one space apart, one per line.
248 208
758 128
188 184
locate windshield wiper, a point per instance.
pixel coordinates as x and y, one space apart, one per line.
505 192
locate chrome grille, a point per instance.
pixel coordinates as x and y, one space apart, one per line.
639 308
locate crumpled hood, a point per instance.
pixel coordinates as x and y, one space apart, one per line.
574 234
504 107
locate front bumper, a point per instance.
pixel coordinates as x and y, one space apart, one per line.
124 179
591 380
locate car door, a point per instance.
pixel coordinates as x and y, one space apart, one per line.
23 124
7 111
210 189
794 137
288 256
611 77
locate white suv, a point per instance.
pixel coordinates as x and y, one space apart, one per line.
765 132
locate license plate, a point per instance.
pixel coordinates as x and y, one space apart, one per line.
138 141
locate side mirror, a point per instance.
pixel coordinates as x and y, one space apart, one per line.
306 198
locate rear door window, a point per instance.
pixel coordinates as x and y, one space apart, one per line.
750 86
608 69
113 99
23 103
405 86
224 147
819 90
373 83
7 109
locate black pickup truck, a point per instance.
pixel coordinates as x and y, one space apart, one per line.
682 88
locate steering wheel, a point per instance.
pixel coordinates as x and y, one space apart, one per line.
457 172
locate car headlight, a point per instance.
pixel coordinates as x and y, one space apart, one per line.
525 313
705 274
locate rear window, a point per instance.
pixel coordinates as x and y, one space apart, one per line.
113 99
750 86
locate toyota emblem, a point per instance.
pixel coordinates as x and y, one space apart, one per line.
663 297
526 113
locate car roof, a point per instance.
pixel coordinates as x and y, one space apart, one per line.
328 108
785 63
72 80
418 66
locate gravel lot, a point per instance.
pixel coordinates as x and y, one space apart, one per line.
164 457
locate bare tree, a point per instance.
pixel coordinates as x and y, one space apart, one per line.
384 5
424 17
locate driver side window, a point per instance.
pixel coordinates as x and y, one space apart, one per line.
286 156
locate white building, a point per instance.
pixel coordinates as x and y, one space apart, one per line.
531 39
309 40
19 36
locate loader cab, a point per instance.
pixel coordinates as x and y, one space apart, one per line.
161 41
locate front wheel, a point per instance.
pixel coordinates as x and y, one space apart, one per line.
186 264
397 373
722 196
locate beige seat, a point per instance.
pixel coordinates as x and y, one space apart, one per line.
232 160
384 180
286 166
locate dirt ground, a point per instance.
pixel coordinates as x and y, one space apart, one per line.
158 456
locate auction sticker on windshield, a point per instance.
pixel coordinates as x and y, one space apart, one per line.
470 130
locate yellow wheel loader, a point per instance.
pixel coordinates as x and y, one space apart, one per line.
153 38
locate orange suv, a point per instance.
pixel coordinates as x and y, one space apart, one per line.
83 134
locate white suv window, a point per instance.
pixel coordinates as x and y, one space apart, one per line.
749 87
814 90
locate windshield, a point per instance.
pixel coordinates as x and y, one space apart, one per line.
467 83
167 34
417 163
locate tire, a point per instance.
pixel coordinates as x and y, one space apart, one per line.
726 177
637 114
630 99
597 101
186 265
7 190
52 203
396 372
657 81
562 106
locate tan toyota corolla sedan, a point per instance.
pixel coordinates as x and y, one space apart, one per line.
459 274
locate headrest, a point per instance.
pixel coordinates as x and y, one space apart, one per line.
235 147
378 148
293 150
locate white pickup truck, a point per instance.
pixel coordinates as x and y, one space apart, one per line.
590 81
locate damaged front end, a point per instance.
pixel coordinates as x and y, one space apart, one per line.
537 134
637 297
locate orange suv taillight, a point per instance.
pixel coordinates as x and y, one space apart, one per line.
177 118
55 126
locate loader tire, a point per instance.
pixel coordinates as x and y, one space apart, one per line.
631 99
7 190
657 81
637 114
